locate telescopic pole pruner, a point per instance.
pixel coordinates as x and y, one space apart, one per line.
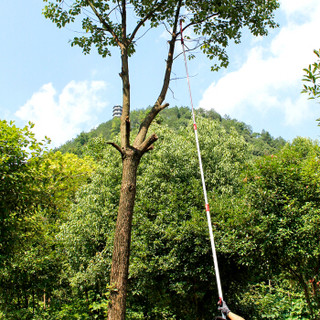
213 247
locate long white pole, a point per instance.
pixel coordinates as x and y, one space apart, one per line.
213 247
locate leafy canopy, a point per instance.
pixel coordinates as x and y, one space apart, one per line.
213 22
36 192
19 151
277 226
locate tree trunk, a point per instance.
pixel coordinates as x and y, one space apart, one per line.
307 295
122 238
131 156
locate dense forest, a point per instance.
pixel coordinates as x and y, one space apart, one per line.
58 211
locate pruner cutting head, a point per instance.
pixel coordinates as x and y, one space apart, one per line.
181 31
182 18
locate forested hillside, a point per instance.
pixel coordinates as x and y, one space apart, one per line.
177 118
58 211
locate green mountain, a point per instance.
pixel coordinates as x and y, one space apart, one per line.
177 118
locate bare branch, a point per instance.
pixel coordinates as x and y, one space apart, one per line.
146 123
167 29
199 22
147 144
181 78
188 49
116 147
115 8
142 35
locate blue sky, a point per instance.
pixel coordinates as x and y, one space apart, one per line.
63 92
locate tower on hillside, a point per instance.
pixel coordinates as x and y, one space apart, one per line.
117 111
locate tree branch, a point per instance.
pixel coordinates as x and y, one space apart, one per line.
104 23
188 49
158 106
172 43
147 144
126 100
146 124
200 21
147 17
124 21
116 147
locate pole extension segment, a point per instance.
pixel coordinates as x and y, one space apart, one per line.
213 247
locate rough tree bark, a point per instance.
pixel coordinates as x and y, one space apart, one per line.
121 249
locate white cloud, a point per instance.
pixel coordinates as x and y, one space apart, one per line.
297 111
271 76
61 117
292 7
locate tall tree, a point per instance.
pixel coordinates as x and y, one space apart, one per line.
213 23
277 226
19 151
36 190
